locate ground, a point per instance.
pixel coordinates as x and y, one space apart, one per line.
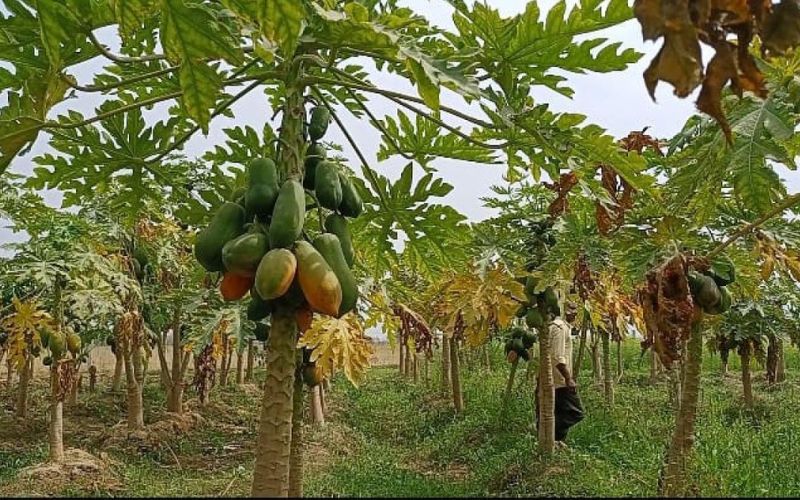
391 437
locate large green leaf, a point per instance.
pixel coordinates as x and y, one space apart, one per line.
282 21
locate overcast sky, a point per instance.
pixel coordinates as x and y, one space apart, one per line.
616 101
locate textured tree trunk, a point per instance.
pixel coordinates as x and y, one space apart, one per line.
296 458
597 363
780 373
547 420
723 355
223 377
239 367
446 383
487 360
9 372
747 383
510 384
317 412
458 396
620 364
322 398
73 391
415 367
251 354
655 366
402 362
608 380
24 382
56 427
116 382
134 390
576 366
673 479
425 370
271 473
772 360
92 378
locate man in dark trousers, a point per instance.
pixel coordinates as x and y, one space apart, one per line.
568 408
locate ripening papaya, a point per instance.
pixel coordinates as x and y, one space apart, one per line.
227 224
242 254
58 344
512 356
337 225
534 318
312 375
318 123
327 186
258 308
319 283
315 154
261 331
73 343
275 273
262 191
328 245
351 205
304 317
288 215
234 286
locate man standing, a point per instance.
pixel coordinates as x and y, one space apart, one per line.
568 408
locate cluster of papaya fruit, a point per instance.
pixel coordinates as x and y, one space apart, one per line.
537 305
519 344
708 288
59 343
260 244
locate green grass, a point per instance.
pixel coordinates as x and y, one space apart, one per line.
391 437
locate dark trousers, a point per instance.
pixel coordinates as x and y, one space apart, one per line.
568 410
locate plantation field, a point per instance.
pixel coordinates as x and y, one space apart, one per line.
394 437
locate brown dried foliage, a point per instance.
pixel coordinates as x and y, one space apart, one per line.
414 326
684 24
562 188
584 279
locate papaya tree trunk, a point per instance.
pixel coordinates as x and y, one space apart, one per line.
597 364
415 367
487 359
608 380
620 365
24 383
510 384
780 372
402 362
317 411
9 372
116 382
747 383
223 376
546 386
772 359
455 363
576 367
273 448
56 424
724 354
251 354
655 366
73 391
92 378
296 458
134 390
239 367
673 479
446 382
323 388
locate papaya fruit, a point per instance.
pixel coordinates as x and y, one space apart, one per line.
337 225
512 356
312 375
327 186
530 288
534 318
528 339
304 317
294 298
525 355
275 273
328 245
227 224
73 343
47 360
318 123
258 308
517 346
261 331
351 205
320 286
234 286
138 271
242 254
44 337
708 296
315 154
288 215
36 350
551 300
140 255
58 345
724 303
262 191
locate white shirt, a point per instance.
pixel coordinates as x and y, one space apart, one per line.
561 340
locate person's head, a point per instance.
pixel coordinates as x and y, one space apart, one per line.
571 312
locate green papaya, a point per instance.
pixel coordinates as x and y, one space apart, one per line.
351 205
262 191
534 319
73 343
709 295
724 303
44 336
275 273
509 346
315 154
528 339
242 254
328 245
327 186
261 331
530 288
227 224
288 215
58 344
318 123
337 225
141 256
258 308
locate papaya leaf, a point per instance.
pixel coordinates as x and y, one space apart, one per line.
282 21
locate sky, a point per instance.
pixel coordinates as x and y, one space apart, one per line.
617 101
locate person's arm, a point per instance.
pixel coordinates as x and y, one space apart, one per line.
560 337
564 371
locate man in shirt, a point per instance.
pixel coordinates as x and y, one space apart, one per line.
568 408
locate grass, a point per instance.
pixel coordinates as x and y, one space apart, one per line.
392 437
